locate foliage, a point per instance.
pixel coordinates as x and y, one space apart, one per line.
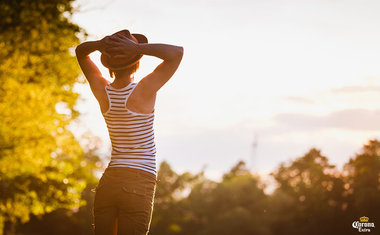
42 166
170 192
312 197
237 202
309 197
362 178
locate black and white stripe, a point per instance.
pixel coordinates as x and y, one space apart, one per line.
131 133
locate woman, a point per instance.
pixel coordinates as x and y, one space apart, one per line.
124 197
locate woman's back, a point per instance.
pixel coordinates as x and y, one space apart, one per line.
131 133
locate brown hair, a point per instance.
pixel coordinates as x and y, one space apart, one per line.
131 70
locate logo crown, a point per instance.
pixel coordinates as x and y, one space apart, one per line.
364 219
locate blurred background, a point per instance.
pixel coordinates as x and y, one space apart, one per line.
269 126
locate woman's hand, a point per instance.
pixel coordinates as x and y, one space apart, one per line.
104 45
120 46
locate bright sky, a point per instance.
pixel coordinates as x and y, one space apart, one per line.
291 74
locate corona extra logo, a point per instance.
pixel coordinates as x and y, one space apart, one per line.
364 219
363 225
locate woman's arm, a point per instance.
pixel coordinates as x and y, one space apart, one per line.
162 51
86 48
172 56
122 47
90 70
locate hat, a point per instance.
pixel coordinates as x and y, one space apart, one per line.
120 64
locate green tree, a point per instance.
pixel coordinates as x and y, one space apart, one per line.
171 190
237 205
42 166
362 178
64 221
309 198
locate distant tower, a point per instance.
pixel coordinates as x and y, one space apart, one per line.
255 143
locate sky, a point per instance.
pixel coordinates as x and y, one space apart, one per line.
262 81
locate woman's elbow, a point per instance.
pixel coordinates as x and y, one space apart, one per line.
78 51
179 53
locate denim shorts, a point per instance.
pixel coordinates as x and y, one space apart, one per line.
124 200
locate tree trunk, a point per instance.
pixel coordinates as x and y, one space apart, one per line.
9 228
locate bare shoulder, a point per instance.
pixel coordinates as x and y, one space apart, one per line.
141 100
144 88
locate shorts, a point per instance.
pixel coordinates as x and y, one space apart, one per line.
124 200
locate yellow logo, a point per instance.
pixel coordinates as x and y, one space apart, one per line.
364 219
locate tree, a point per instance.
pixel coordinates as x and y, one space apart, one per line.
64 221
41 164
309 197
237 205
171 190
362 178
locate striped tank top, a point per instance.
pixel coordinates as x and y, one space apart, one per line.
131 133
